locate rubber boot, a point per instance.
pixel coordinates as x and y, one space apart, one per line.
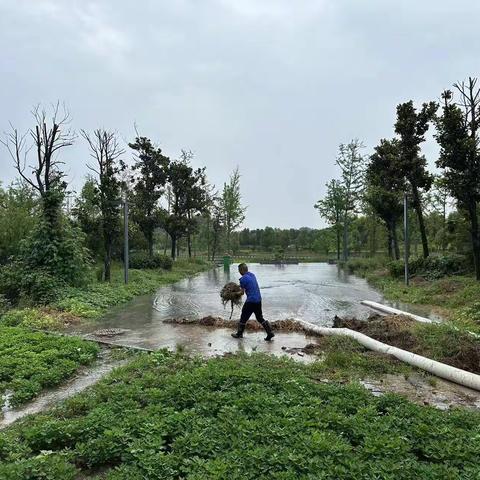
268 329
240 330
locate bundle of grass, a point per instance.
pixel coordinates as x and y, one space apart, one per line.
231 293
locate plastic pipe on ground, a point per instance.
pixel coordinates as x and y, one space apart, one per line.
453 374
395 311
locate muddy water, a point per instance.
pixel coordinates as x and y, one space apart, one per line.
313 292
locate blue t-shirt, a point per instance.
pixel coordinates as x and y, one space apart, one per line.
249 283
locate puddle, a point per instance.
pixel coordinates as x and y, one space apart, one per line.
210 341
425 391
85 378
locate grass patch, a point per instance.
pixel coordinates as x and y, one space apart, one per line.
32 361
241 417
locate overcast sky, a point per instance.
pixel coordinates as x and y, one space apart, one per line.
272 86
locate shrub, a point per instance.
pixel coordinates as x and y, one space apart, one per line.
141 260
432 267
44 264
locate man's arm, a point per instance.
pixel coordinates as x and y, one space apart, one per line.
242 285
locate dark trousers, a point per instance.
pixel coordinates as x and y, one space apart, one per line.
248 309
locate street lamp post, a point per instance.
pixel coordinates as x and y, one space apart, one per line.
125 244
406 236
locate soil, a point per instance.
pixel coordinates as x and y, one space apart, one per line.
396 330
462 352
288 325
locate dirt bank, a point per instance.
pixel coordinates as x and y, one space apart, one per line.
441 342
288 325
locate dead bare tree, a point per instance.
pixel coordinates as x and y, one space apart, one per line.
106 151
48 137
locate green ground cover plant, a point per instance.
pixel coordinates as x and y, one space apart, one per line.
166 416
32 361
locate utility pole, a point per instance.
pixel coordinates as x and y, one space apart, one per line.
406 235
125 244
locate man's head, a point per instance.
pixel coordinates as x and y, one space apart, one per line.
242 268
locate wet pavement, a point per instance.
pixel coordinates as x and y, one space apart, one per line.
423 390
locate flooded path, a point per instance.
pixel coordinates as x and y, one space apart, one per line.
315 292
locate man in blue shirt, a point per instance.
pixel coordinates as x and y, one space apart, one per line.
253 303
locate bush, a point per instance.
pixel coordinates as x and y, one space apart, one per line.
435 266
141 260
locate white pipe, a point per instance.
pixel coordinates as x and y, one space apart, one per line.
442 370
395 311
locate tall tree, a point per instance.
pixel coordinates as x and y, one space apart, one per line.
106 151
150 177
385 188
458 137
48 178
411 127
188 198
87 214
331 208
233 211
352 168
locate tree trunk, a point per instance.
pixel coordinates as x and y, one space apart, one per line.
345 237
174 246
475 234
189 244
338 241
389 240
150 244
166 244
107 260
417 204
214 245
396 248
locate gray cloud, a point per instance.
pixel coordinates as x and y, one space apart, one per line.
272 86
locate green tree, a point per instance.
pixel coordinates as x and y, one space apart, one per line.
88 216
385 188
411 127
352 168
106 151
331 208
188 198
54 253
18 212
458 137
233 211
151 169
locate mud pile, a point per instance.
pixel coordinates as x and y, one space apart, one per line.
396 330
287 325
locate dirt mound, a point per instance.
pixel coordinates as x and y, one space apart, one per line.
287 325
231 293
396 330
439 342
